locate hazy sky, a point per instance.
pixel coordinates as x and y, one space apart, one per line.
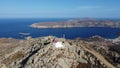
60 8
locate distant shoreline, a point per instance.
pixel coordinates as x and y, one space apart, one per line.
78 23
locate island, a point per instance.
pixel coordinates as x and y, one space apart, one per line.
25 34
83 22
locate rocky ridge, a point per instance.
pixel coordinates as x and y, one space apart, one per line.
94 52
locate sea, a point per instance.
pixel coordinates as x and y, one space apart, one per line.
12 27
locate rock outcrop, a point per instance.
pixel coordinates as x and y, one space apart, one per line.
79 53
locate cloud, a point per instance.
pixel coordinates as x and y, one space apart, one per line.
88 7
79 9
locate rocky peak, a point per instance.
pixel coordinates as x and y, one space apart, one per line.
42 53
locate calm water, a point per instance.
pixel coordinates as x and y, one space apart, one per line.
12 28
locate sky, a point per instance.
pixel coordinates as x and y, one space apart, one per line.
59 8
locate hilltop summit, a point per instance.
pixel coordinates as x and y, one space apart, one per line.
42 53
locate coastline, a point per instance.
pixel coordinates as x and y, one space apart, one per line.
77 23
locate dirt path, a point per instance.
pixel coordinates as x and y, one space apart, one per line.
99 56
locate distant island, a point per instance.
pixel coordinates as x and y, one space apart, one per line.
25 34
83 22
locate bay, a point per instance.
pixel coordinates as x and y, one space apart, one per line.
12 28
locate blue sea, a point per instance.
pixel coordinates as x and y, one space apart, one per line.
12 28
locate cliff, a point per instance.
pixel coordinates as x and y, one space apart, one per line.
85 22
94 52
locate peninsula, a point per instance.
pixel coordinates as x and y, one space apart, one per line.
83 22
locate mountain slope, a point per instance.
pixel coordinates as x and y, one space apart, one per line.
42 53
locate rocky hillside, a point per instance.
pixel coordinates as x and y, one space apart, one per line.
84 22
94 52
